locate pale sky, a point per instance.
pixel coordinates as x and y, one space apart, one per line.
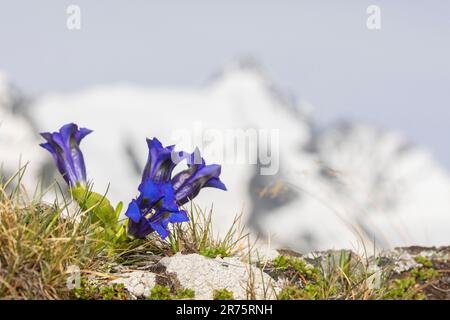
397 77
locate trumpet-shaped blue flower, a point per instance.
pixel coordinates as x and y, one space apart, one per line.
64 146
188 183
160 195
159 164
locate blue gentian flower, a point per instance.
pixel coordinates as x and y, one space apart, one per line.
159 164
198 175
64 146
154 209
161 196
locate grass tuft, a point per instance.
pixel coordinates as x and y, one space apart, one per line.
38 245
197 236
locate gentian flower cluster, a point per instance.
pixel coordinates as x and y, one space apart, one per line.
161 194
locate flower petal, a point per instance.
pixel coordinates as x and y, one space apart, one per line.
133 212
188 183
80 134
150 191
163 233
215 183
179 216
139 230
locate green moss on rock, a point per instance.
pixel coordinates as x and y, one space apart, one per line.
222 294
92 291
159 292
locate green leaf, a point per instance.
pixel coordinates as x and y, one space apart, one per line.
119 210
97 204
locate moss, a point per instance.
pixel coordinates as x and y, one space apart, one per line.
403 289
222 294
114 292
304 280
311 291
212 252
424 261
424 274
159 292
281 262
92 291
291 293
285 263
297 270
185 294
407 288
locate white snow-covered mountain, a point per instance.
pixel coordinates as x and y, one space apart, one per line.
345 186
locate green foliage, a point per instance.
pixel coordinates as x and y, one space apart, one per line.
282 262
184 294
305 281
214 252
159 292
311 291
91 291
291 292
103 216
98 205
408 288
424 261
222 294
285 263
403 289
424 274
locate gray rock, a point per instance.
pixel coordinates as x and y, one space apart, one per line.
204 275
138 283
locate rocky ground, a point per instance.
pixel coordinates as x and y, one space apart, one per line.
401 273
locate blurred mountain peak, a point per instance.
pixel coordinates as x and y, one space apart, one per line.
247 65
240 74
247 78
